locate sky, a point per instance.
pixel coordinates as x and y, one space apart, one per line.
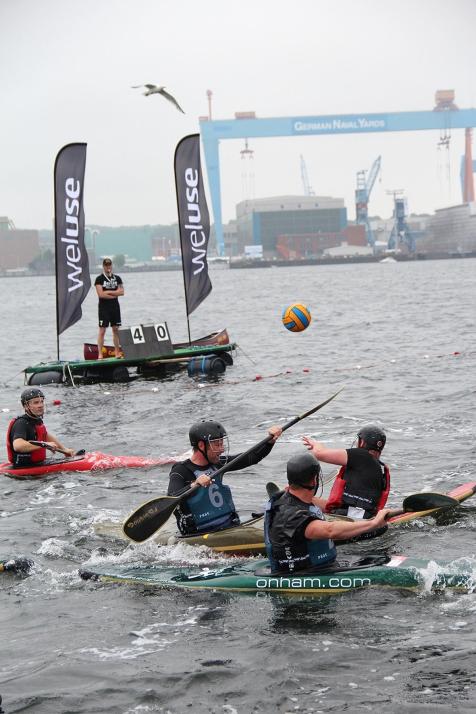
66 70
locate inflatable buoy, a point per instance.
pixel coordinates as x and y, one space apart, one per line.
206 366
52 377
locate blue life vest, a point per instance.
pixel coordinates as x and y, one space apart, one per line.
290 551
212 508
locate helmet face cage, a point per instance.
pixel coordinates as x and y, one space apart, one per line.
28 394
213 434
218 447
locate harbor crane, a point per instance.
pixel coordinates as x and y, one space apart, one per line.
400 234
308 191
364 188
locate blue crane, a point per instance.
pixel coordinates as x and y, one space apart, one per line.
400 235
364 188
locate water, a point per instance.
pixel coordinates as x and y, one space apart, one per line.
400 337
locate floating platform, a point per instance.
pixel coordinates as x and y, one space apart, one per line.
208 355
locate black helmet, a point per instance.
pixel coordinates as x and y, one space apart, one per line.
206 431
301 469
30 393
373 436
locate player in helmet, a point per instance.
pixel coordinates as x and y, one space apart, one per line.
211 507
29 427
362 484
297 536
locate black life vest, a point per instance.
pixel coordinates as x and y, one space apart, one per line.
289 551
365 488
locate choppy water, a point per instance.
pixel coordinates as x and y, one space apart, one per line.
401 339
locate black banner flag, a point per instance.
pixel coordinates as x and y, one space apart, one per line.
194 221
72 265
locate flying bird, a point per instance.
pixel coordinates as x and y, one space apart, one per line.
153 89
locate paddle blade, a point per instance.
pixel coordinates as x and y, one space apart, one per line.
425 501
272 489
148 518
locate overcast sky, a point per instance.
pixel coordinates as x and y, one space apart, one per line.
66 70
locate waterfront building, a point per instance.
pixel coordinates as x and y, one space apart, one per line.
18 247
451 231
268 221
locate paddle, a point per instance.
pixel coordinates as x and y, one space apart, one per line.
152 515
425 501
81 452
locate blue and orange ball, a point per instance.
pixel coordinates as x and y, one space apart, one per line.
296 317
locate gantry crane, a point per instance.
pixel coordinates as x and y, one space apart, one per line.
364 188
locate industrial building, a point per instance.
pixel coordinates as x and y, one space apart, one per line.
294 226
451 231
17 247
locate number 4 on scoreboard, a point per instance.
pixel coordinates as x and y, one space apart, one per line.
137 334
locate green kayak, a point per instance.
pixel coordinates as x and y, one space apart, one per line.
350 573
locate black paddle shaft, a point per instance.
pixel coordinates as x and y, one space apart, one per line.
81 452
268 438
151 516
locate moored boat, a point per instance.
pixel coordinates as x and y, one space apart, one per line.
221 337
349 574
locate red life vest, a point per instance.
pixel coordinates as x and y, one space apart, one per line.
335 499
37 455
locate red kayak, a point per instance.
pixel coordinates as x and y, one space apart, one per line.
92 461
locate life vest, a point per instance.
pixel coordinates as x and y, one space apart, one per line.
211 508
294 552
36 456
355 492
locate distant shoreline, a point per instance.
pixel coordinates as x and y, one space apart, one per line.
243 264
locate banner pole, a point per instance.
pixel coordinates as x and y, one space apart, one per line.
181 244
56 256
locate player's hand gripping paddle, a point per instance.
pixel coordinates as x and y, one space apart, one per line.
81 452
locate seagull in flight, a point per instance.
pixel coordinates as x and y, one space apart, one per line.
153 89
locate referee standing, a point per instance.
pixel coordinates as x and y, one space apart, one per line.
109 288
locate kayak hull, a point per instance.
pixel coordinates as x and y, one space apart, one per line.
399 571
247 538
92 461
